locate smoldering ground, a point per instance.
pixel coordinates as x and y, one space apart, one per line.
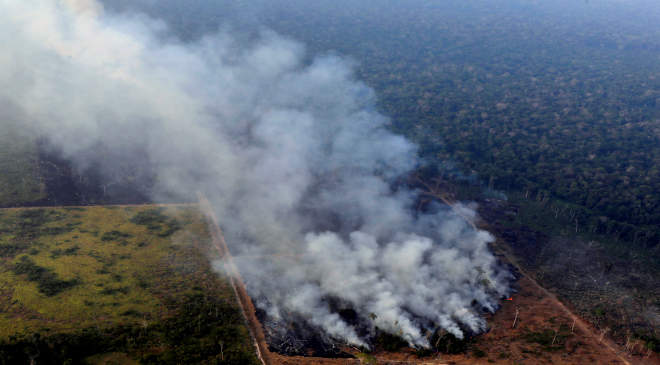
293 155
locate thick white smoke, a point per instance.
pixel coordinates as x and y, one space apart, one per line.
293 155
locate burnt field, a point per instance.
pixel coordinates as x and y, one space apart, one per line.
529 329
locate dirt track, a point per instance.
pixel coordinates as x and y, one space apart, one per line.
581 324
244 301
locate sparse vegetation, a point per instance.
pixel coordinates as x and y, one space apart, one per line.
550 340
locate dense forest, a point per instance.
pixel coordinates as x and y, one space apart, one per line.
524 105
557 101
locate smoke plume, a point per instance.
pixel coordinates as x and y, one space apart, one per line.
298 163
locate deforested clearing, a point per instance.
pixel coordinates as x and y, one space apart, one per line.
116 283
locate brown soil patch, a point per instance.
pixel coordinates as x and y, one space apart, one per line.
503 344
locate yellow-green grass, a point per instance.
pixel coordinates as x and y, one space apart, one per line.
133 267
115 267
20 180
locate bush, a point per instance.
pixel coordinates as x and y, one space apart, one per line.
47 281
115 236
67 252
11 249
152 218
156 221
113 291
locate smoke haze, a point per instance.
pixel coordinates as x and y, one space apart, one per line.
295 158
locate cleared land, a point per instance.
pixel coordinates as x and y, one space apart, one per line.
546 331
542 335
116 284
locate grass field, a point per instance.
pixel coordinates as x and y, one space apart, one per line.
20 181
134 282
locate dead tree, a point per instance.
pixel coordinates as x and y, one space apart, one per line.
516 318
556 209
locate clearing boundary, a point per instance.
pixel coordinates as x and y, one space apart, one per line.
244 301
581 324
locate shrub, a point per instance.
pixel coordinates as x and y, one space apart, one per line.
156 221
11 249
47 281
152 218
113 291
115 236
67 252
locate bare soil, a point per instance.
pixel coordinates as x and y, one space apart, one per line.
503 344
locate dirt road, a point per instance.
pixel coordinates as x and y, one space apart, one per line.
244 300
